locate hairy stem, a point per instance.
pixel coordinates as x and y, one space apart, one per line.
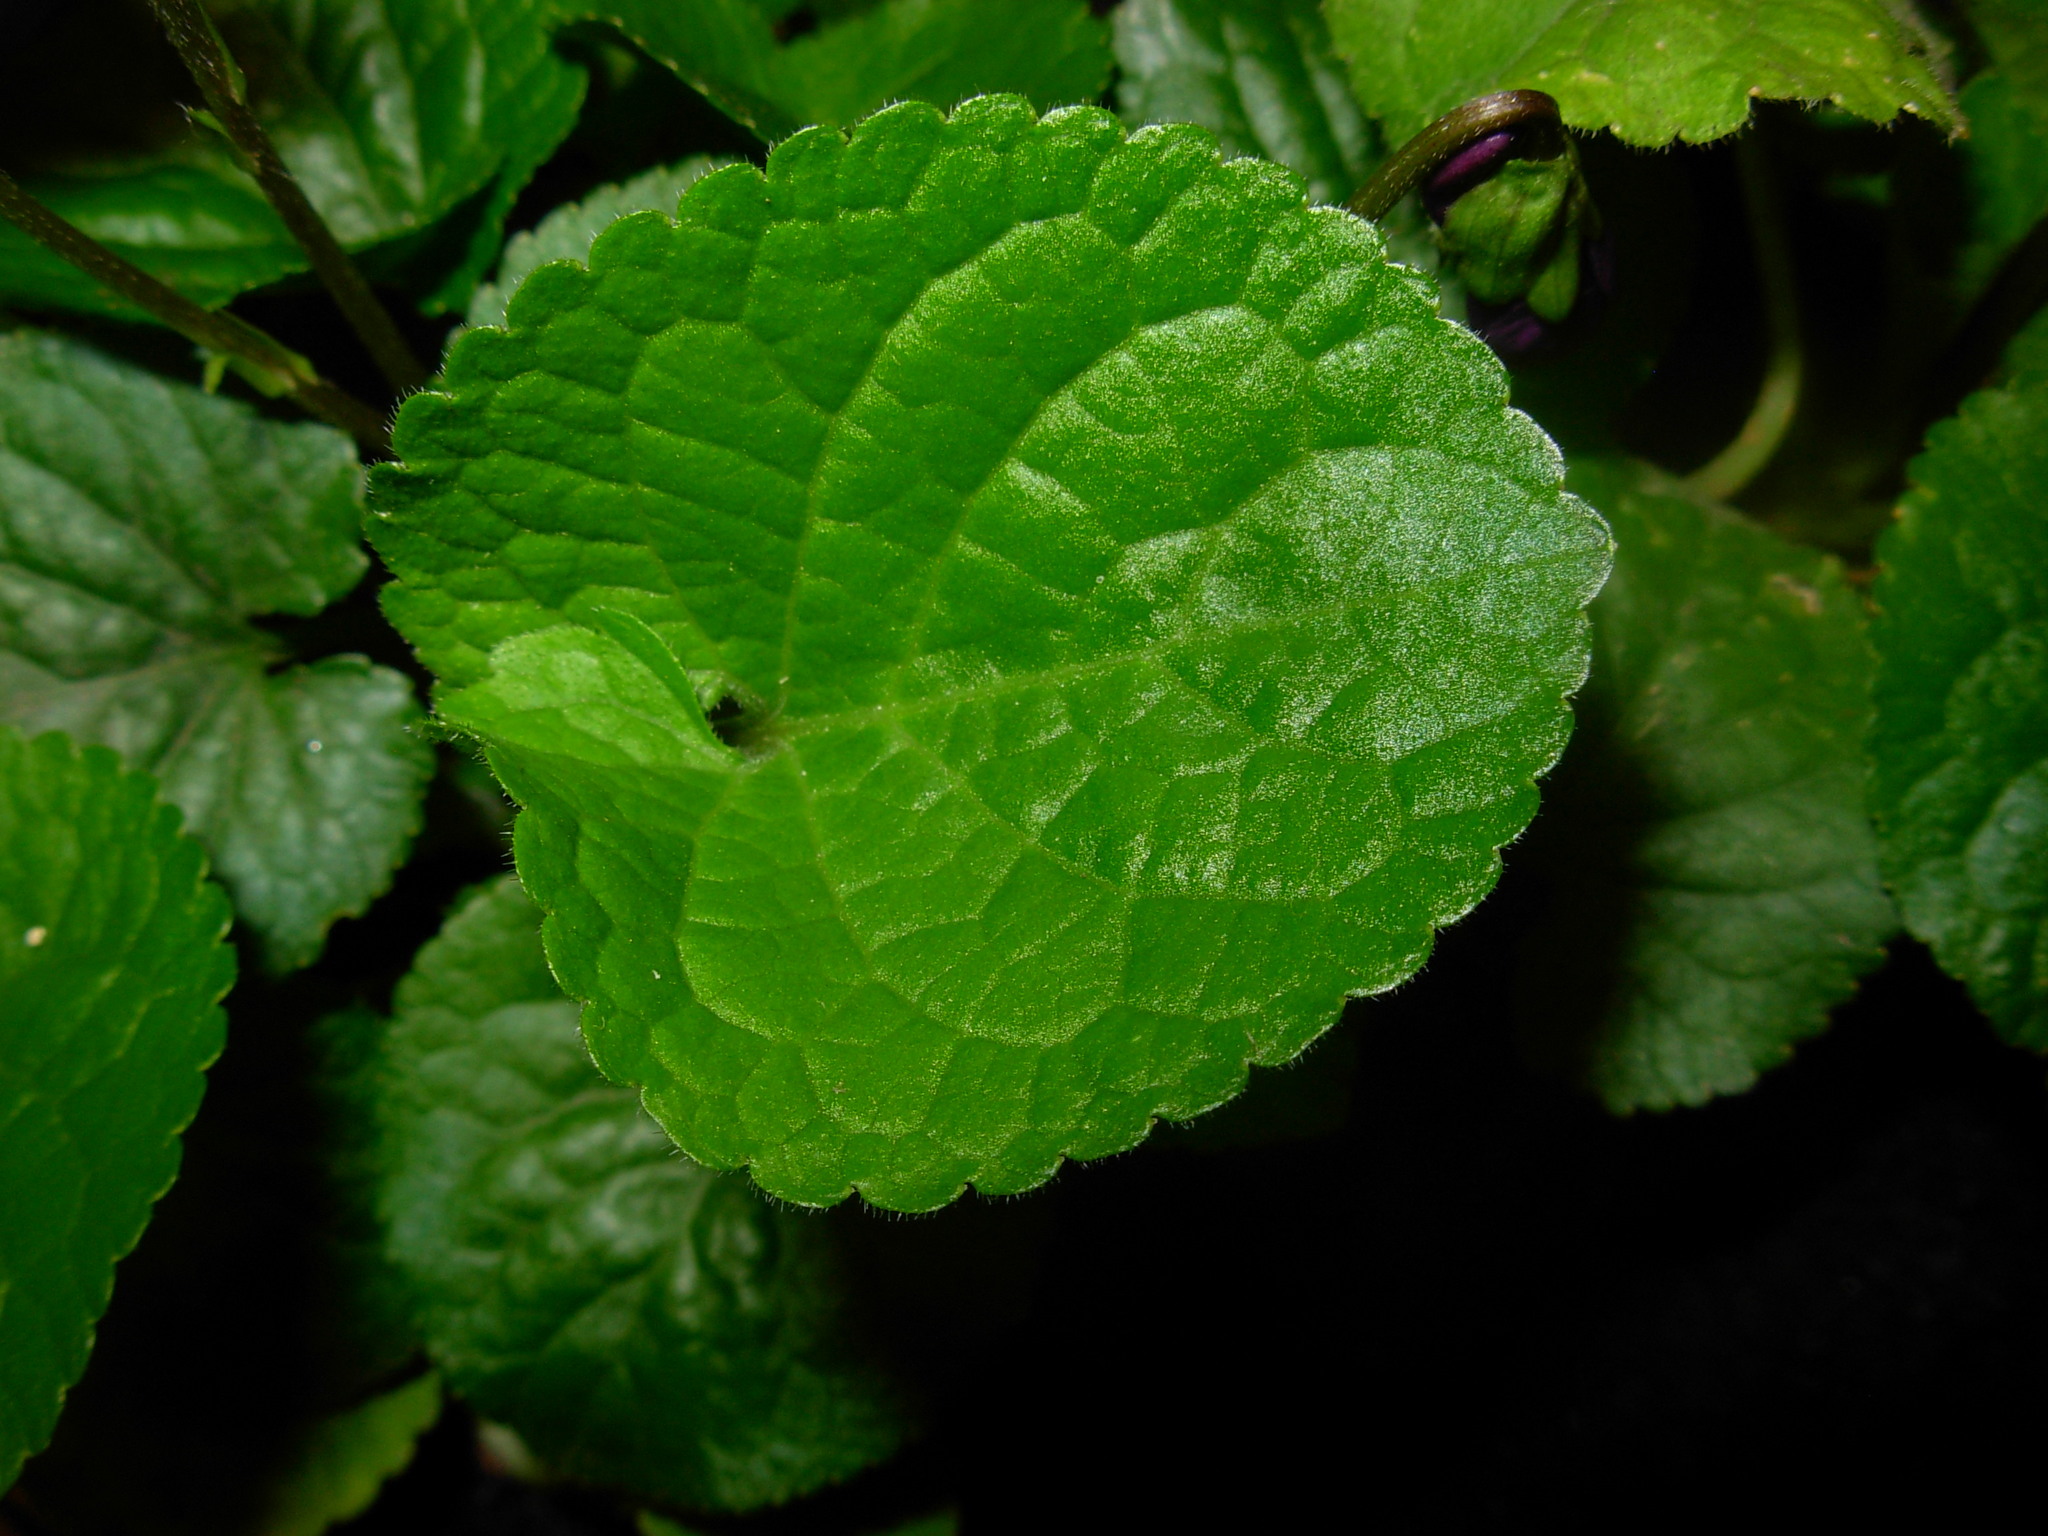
1409 166
192 33
286 370
1777 398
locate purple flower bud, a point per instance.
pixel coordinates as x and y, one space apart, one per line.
1465 170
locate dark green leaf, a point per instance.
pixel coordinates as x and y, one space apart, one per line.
141 524
110 967
1143 618
389 112
1960 746
1715 884
1649 70
1258 74
636 1319
2003 167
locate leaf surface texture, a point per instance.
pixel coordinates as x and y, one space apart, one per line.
1135 620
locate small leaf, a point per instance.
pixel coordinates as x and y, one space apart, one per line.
1258 74
565 234
390 113
347 1458
110 968
637 1320
1960 745
1649 70
1715 884
141 524
1140 618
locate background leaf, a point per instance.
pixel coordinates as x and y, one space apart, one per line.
2007 107
1714 877
1649 70
346 1460
110 967
1258 74
1143 617
636 1319
944 51
391 114
141 524
1960 744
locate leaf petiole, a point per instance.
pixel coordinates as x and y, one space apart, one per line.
290 372
205 55
1459 129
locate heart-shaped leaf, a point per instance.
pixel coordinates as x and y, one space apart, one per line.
1131 618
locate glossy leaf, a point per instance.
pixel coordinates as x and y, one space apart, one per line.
1649 70
110 968
565 234
1960 745
390 113
1714 876
1134 618
142 524
348 1457
1258 74
636 1319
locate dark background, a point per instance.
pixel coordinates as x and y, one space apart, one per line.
1405 1284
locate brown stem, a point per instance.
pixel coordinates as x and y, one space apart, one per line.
290 373
192 33
1409 166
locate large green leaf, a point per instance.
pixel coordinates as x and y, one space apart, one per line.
1258 74
1650 70
565 234
1960 744
141 524
1139 618
390 113
110 968
638 1320
1715 883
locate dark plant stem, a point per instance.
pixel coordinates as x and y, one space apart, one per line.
1777 398
192 33
1412 163
287 371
